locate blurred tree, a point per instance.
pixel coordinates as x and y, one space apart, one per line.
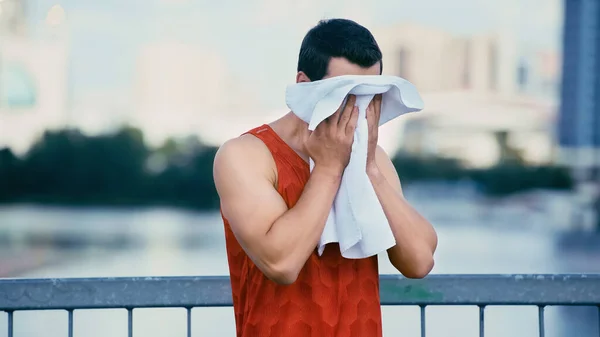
508 154
68 167
509 176
9 167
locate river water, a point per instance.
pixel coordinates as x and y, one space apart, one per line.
473 238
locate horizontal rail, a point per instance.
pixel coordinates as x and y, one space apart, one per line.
213 291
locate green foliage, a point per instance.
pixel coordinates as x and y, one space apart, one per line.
505 178
67 167
413 168
70 168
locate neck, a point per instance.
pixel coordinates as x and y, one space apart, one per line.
293 131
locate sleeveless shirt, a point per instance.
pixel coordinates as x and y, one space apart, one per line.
332 296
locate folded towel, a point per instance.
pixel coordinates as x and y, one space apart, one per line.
356 221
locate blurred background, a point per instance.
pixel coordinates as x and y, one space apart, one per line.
111 113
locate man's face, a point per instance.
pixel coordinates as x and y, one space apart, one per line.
339 66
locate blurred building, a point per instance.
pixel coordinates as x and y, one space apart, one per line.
547 72
33 77
539 74
182 89
481 130
476 107
435 60
579 122
12 17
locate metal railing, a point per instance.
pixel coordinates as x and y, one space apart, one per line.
214 291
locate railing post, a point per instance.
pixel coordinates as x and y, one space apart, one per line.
541 320
481 320
10 323
598 307
130 322
70 313
189 321
423 322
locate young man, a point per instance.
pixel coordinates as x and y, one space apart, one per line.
274 209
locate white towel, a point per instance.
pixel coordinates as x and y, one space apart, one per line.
356 221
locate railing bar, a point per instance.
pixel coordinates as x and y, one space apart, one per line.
541 320
70 313
481 320
10 323
130 322
189 321
598 307
422 320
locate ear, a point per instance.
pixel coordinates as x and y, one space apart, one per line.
301 77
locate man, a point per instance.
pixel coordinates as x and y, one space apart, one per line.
274 208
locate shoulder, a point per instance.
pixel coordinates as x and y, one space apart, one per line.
242 147
381 155
384 162
387 168
245 154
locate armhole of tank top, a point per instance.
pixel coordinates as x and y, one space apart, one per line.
277 168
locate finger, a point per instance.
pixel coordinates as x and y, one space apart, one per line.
378 101
351 125
346 109
370 111
347 112
373 119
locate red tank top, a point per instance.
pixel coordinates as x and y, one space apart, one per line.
332 297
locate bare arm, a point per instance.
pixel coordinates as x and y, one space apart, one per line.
416 240
277 239
280 240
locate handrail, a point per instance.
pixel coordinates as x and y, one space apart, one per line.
215 291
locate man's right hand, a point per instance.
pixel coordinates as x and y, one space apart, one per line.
330 144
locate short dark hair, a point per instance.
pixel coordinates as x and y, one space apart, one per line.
337 38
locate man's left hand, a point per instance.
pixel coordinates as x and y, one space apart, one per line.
373 115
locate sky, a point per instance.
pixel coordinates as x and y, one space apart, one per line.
259 39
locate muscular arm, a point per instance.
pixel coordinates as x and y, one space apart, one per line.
416 240
277 239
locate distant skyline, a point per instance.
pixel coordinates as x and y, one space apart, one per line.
259 39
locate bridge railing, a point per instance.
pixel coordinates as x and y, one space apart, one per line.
214 291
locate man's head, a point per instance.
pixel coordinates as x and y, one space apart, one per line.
338 47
